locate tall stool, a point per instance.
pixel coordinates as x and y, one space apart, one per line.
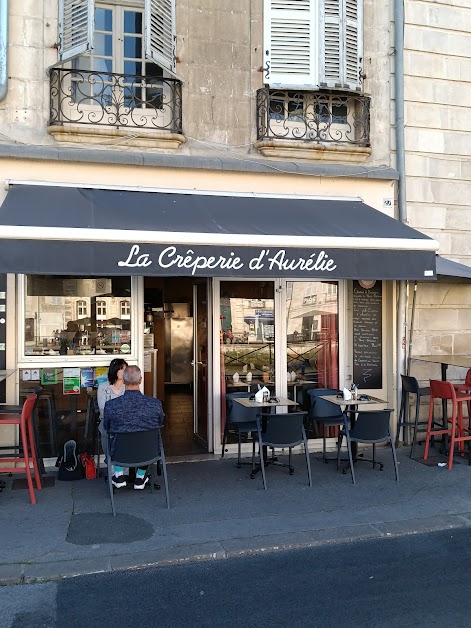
28 446
455 427
410 386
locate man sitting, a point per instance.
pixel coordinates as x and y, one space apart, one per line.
132 412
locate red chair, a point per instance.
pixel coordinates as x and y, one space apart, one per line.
456 430
28 448
466 387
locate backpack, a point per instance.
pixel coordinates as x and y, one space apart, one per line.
69 463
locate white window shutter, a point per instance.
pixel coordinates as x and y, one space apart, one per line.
341 44
76 26
159 33
353 44
290 43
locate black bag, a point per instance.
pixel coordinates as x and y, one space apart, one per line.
69 463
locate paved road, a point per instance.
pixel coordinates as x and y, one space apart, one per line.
421 580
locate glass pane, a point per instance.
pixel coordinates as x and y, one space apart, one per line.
153 70
132 22
133 67
339 114
76 316
247 337
103 45
277 109
102 65
103 20
133 47
312 338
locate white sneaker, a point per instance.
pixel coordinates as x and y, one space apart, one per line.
139 483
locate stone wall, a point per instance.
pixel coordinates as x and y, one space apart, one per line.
220 56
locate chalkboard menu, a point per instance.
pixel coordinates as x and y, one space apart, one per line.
367 335
3 333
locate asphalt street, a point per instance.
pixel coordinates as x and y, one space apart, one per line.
416 580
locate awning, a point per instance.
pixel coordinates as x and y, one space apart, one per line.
46 229
450 271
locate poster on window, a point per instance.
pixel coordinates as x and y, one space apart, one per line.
48 377
87 377
71 383
101 374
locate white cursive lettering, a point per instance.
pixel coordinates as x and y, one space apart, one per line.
141 261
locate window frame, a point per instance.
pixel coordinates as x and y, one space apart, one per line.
332 25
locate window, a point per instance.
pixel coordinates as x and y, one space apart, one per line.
82 309
101 310
121 34
118 49
125 308
313 44
88 321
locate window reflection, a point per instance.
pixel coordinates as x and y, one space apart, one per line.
312 333
77 315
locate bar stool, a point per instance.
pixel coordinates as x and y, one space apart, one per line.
28 446
410 386
49 399
455 429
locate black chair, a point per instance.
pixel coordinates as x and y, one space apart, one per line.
410 386
137 449
281 431
323 412
370 427
241 420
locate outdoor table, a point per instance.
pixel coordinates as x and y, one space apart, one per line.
445 360
247 403
351 406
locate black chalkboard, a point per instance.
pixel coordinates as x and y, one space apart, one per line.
367 335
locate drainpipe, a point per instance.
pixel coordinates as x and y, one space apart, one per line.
3 49
401 192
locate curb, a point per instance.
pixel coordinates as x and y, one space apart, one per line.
27 573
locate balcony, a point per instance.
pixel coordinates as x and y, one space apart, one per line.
145 110
313 125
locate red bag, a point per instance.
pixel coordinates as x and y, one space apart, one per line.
89 466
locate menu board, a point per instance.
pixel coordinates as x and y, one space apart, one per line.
367 334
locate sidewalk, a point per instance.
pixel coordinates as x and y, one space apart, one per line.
218 512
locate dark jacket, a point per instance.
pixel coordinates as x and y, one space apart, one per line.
132 412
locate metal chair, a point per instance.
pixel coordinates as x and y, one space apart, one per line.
370 427
240 419
281 431
454 427
27 454
137 449
323 412
410 386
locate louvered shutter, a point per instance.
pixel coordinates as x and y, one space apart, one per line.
159 32
76 25
341 44
290 43
353 44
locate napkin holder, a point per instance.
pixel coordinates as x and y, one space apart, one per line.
260 393
347 395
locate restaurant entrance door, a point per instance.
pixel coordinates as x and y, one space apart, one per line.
175 333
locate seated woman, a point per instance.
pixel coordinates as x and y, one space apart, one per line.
110 389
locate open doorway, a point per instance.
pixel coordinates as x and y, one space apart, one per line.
176 359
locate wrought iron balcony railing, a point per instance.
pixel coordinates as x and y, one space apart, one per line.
117 100
318 117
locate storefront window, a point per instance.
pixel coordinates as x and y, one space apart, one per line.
247 337
312 334
77 315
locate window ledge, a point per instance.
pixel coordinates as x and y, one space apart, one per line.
136 138
297 149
